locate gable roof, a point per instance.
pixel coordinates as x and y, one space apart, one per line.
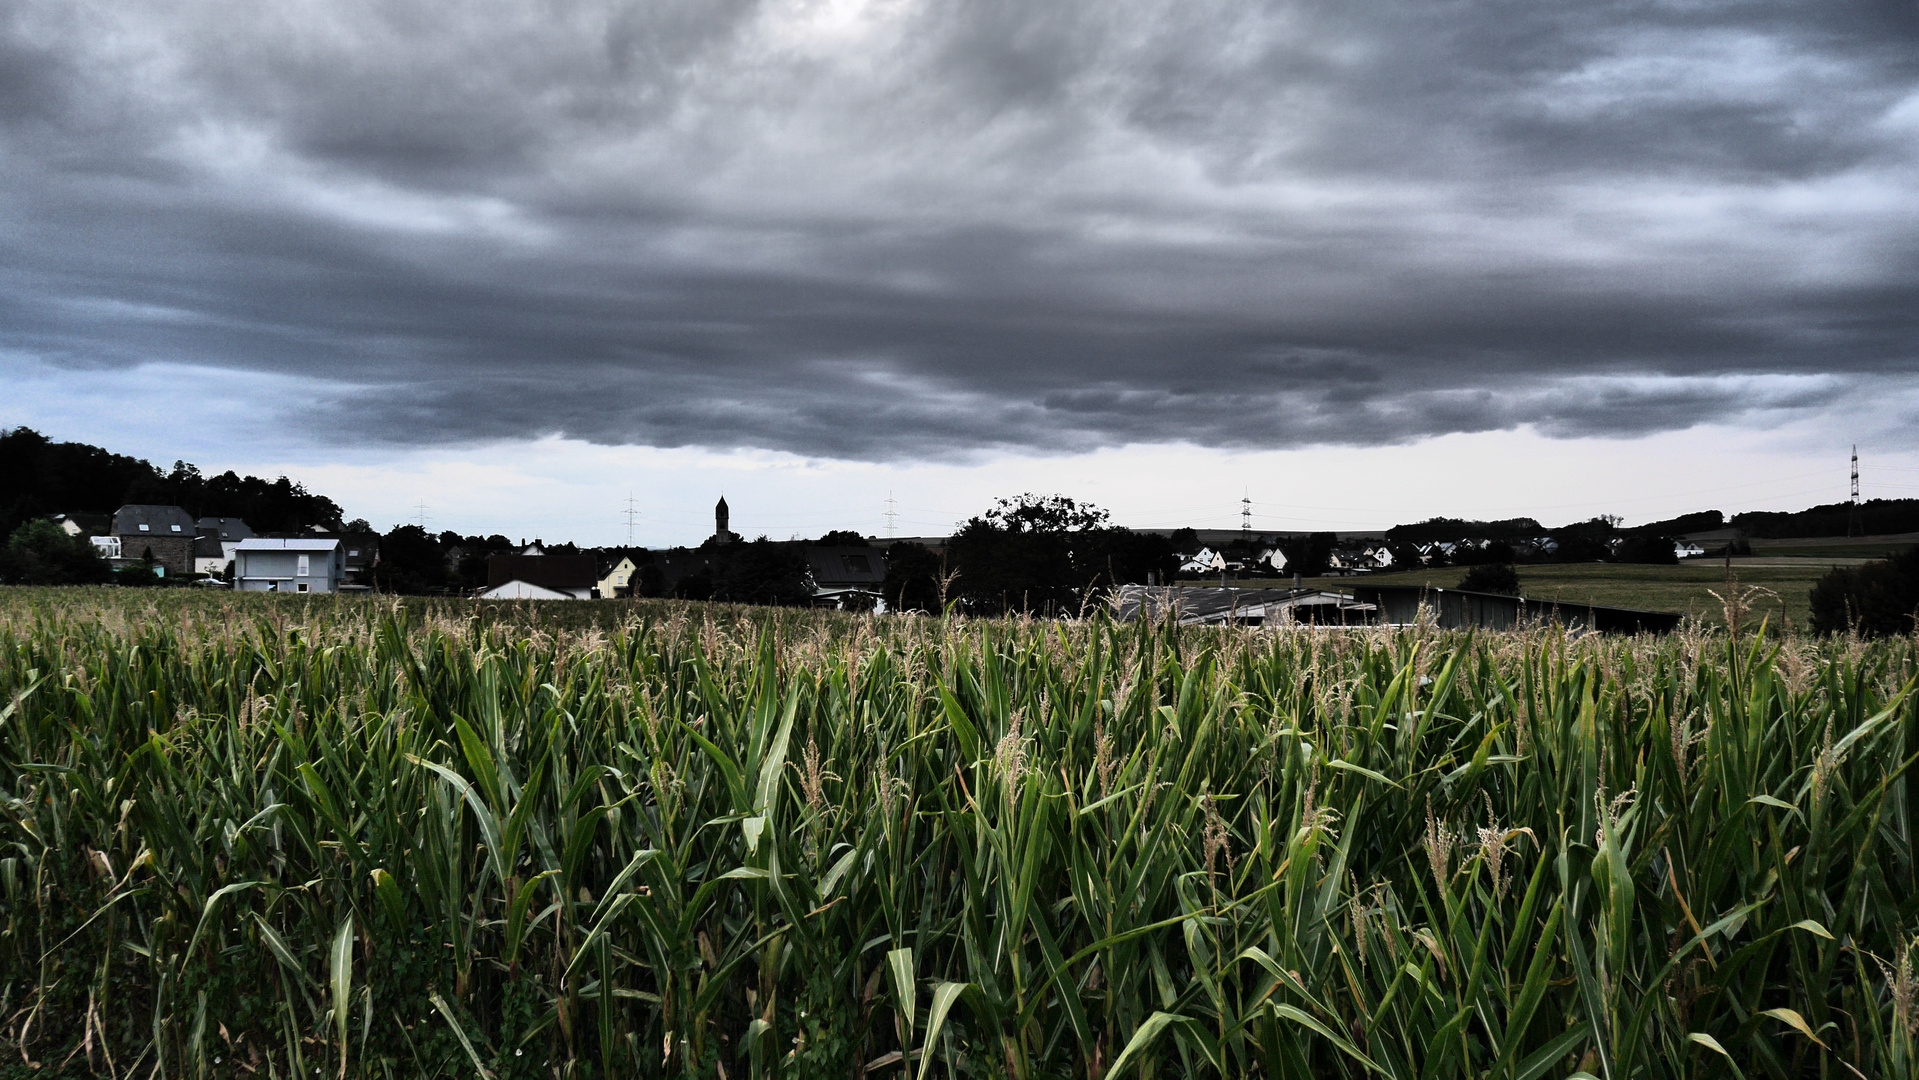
159 521
224 528
523 590
846 565
88 524
550 571
267 543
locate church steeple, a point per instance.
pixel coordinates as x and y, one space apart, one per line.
720 531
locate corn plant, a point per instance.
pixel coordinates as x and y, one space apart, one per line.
355 838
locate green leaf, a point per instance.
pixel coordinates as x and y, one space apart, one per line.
1347 766
900 963
1143 1038
1712 1044
388 891
1768 800
944 995
1797 1021
460 1034
340 980
1289 1012
1543 1059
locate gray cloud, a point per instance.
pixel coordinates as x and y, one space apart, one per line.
867 229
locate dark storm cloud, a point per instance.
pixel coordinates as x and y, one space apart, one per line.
866 229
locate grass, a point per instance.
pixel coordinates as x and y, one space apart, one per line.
331 838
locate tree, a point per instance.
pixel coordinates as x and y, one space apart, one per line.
761 572
411 561
41 553
1049 554
1309 554
842 538
1648 549
912 578
1875 599
1492 578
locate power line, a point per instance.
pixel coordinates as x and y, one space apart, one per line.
892 516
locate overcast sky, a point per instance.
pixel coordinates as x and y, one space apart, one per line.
1361 261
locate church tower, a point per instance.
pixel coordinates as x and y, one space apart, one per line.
720 531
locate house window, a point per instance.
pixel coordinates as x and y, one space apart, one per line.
143 526
176 528
303 568
303 586
353 553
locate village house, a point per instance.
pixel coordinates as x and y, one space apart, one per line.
843 577
164 534
267 564
216 538
618 580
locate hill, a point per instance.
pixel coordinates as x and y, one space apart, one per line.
39 476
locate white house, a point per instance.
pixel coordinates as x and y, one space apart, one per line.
1686 549
1274 558
619 580
295 566
1206 560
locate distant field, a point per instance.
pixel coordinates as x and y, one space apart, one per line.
1858 547
1687 589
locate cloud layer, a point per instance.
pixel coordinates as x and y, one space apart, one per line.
888 228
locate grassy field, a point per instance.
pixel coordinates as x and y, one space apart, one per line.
1813 547
268 837
1687 588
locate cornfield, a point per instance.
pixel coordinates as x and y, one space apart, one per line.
350 839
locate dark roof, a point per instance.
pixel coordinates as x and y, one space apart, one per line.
1460 608
549 571
1193 604
224 528
840 566
160 521
207 547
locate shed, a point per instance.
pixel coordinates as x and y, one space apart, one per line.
523 590
574 575
1457 609
1197 606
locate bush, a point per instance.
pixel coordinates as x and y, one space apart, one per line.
1492 578
1875 599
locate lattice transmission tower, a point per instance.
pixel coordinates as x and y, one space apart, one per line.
1852 512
